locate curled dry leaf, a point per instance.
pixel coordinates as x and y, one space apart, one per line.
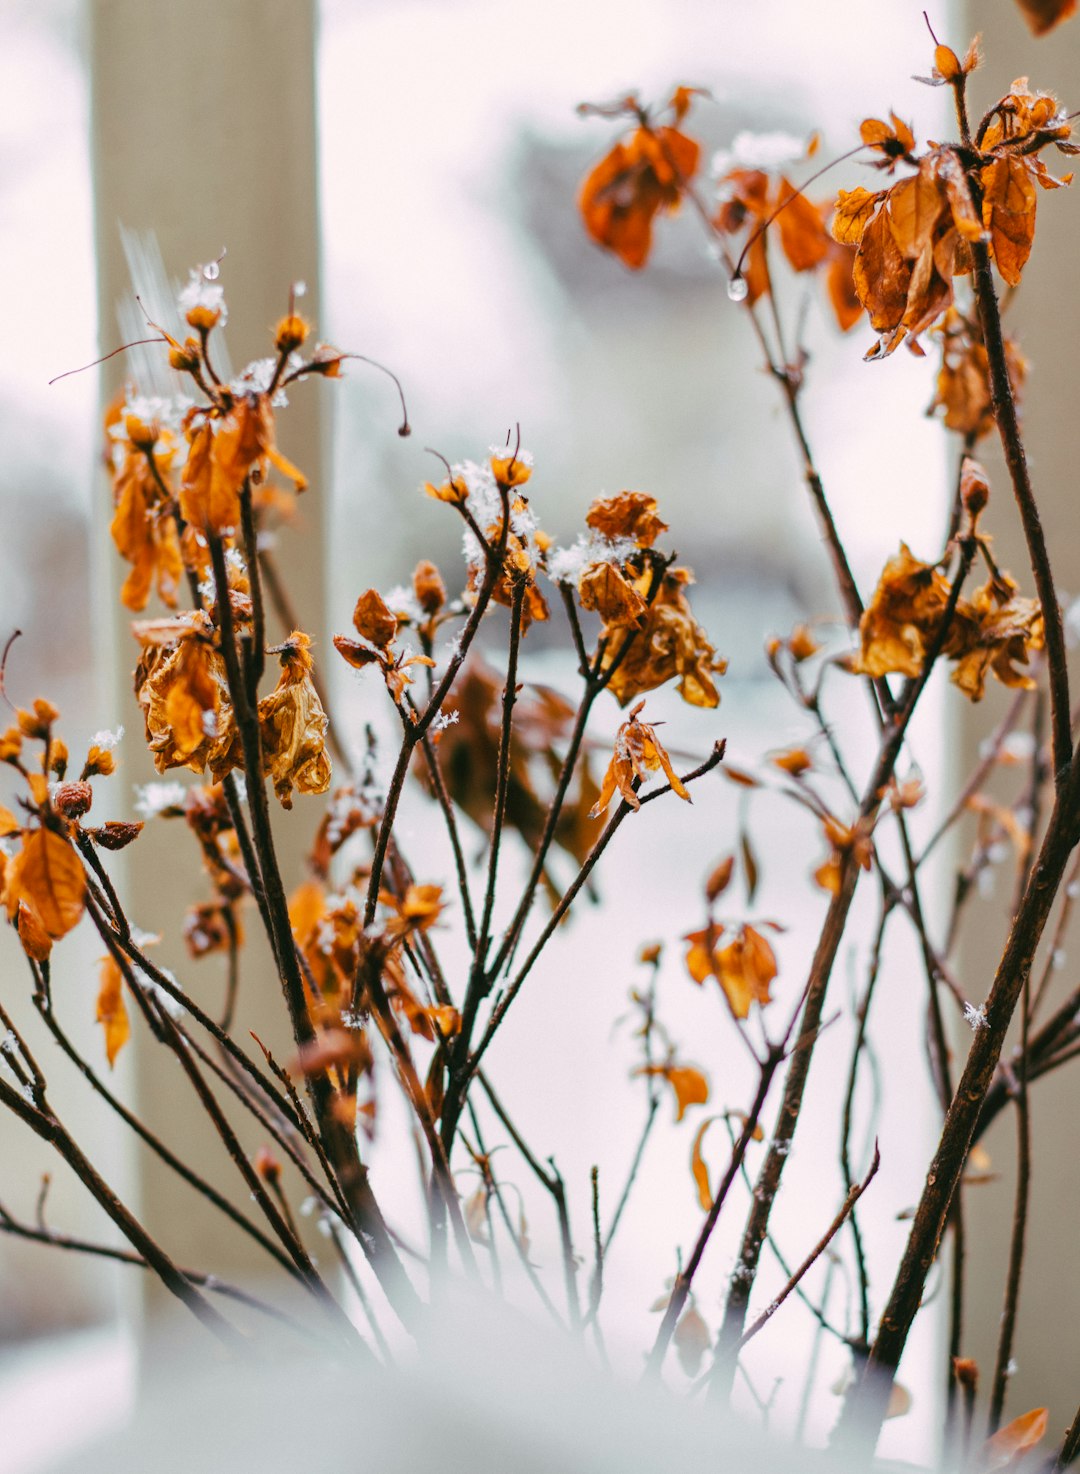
963 381
630 514
638 752
697 1165
111 1010
643 176
669 644
744 967
292 725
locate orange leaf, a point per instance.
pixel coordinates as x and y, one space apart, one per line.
111 1011
698 1167
1017 1437
690 1086
35 939
47 875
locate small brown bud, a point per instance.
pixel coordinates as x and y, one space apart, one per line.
428 587
73 799
966 1371
974 487
267 1166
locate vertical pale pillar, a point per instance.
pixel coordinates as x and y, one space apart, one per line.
1046 319
204 134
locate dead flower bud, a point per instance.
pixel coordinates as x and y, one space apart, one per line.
902 617
454 490
802 644
267 1166
114 834
417 910
966 1371
10 745
651 953
974 487
428 587
36 723
290 333
638 752
511 469
893 141
373 620
73 800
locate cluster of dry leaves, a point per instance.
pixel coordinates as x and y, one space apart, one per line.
193 497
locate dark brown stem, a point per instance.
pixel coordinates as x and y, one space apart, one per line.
681 1288
341 1146
1018 1235
479 980
1009 430
72 1244
865 1407
49 1128
257 649
154 1142
768 1183
854 1194
499 1011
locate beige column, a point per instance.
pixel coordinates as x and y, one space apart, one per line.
204 134
1046 319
